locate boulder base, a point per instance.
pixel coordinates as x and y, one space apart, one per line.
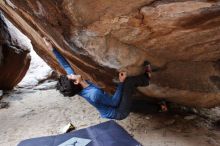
15 59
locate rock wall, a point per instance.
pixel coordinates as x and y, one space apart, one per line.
180 38
15 59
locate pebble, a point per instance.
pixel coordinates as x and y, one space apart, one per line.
4 105
1 93
190 117
147 118
195 110
170 122
69 127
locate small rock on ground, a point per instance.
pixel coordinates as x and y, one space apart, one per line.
4 105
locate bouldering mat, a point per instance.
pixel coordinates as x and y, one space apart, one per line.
104 134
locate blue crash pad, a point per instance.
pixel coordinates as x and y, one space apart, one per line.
104 134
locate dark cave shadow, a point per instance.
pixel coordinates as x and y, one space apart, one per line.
145 107
152 106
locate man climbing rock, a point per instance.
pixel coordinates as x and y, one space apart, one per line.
117 106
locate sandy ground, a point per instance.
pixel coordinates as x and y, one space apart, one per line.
41 113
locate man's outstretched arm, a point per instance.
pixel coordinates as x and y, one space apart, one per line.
62 61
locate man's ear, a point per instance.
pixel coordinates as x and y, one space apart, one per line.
75 82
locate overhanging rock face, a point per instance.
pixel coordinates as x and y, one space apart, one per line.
99 37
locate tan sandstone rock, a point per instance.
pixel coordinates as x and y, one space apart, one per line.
101 37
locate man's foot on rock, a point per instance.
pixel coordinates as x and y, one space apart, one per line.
4 105
163 106
147 68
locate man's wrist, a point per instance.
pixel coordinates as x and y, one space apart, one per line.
84 84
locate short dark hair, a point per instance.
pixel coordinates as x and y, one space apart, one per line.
67 87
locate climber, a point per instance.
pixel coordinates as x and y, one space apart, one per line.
117 106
